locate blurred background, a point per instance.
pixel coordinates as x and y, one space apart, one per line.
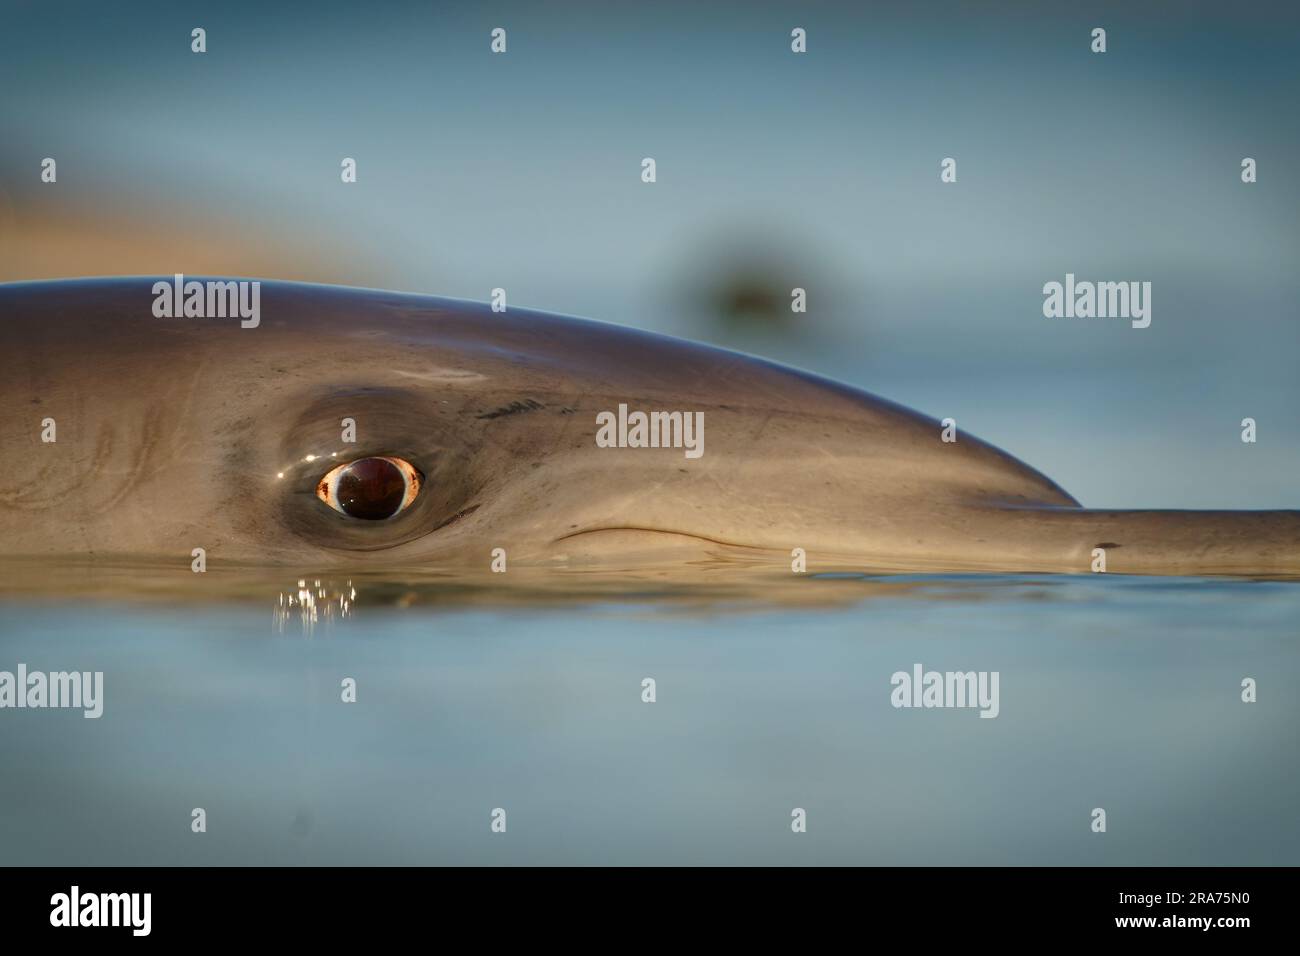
775 170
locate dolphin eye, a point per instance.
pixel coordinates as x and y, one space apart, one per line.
371 488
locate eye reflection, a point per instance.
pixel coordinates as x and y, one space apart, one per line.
371 488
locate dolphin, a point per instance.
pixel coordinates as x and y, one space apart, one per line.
130 437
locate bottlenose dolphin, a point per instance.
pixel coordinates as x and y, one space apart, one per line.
176 433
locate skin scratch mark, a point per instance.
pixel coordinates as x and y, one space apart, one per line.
514 408
456 517
53 484
150 437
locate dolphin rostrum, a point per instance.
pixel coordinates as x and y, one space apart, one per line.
127 436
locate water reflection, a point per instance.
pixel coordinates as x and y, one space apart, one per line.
310 598
312 604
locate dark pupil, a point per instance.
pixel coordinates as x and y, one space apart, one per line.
371 488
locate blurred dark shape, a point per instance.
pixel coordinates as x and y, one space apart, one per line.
751 296
745 287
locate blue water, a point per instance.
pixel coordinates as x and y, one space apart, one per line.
1118 693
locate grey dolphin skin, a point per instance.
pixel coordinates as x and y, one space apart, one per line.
177 433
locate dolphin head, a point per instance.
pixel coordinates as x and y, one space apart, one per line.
345 428
174 433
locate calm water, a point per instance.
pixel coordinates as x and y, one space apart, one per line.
1120 693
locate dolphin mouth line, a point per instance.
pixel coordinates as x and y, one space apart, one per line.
667 531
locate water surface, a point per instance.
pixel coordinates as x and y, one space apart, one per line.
1116 692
